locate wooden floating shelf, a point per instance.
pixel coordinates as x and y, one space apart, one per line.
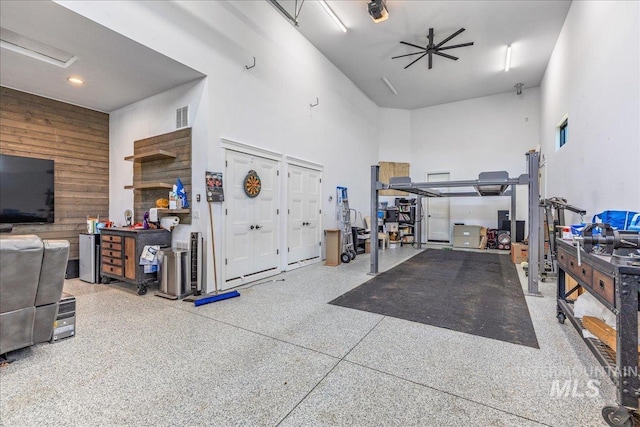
173 211
152 155
149 186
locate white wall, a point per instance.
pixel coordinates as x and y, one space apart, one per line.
464 138
394 135
267 106
594 77
155 116
394 141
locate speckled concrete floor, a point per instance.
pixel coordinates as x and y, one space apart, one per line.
280 355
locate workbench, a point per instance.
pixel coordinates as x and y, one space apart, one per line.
614 281
121 249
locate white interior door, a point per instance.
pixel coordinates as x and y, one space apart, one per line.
266 216
251 244
239 209
303 214
438 212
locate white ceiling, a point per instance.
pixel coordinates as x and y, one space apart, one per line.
364 52
118 71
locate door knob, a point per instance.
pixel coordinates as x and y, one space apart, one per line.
252 227
258 227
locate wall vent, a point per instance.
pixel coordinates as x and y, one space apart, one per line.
182 117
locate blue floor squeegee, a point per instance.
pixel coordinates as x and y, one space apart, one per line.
207 299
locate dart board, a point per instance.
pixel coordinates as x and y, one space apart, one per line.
252 184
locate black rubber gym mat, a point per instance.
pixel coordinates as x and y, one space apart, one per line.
472 292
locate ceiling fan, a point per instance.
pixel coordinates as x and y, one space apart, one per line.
432 49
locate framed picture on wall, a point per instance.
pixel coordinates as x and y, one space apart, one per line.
215 193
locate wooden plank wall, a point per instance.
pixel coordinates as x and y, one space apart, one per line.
166 170
77 139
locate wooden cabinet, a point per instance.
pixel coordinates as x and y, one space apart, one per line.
121 249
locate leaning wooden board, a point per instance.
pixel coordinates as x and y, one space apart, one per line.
604 332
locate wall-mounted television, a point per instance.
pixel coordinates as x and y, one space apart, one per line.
26 190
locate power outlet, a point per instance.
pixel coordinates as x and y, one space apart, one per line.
196 214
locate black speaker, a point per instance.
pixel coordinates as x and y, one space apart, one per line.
502 217
196 247
504 240
506 225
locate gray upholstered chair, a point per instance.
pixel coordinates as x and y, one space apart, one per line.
32 273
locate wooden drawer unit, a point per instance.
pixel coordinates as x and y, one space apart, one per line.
106 238
112 246
604 286
569 263
111 254
117 271
112 261
121 251
583 272
564 258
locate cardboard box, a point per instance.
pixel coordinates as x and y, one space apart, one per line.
519 252
333 246
570 283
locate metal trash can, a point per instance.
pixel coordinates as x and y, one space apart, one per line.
173 274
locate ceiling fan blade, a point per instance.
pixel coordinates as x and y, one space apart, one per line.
416 60
455 46
444 55
449 38
408 54
430 61
414 45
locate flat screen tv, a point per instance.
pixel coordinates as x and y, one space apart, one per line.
26 190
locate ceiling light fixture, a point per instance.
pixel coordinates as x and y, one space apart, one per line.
507 64
378 10
75 80
333 16
389 85
24 45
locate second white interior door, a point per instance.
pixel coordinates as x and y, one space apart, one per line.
438 212
303 214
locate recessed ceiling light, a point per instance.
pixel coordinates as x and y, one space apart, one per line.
76 80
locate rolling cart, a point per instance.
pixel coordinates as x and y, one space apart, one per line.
344 220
